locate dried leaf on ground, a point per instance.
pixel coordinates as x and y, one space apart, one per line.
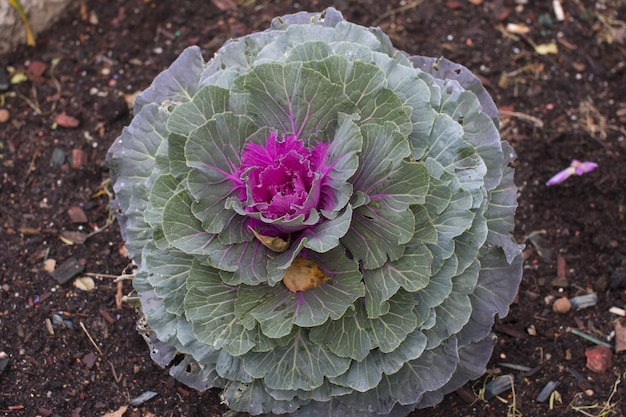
119 413
84 283
224 5
64 120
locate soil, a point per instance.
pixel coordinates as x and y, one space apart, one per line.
76 353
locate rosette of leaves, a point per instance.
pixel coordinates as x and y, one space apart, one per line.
321 223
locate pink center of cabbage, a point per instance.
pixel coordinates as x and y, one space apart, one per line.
284 177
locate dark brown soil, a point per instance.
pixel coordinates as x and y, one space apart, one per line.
554 108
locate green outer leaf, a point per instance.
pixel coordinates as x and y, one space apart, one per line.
163 187
174 331
379 158
456 155
438 197
131 156
209 198
191 373
325 236
354 335
235 56
253 399
427 373
215 147
209 305
498 282
290 98
213 152
175 162
425 231
440 284
479 130
382 226
451 223
500 213
342 156
414 93
322 393
348 337
230 368
455 311
300 365
276 309
132 159
183 230
473 359
367 374
169 270
359 80
443 69
411 272
206 103
177 84
385 106
405 186
247 261
467 245
301 33
377 235
364 85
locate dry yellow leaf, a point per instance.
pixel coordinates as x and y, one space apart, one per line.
303 275
546 48
130 99
273 243
84 283
119 413
49 265
517 28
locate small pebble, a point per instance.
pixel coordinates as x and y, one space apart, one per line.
79 158
562 305
77 215
58 157
4 115
599 358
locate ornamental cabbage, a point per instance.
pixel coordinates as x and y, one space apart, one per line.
321 223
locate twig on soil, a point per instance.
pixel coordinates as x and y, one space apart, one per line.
49 327
34 103
400 9
594 122
97 275
119 295
31 166
82 326
522 116
117 378
605 409
532 68
590 338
